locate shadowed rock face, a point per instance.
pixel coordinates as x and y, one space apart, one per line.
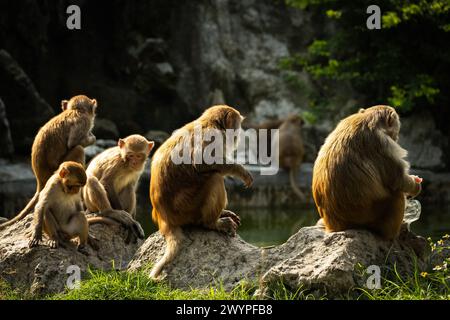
42 270
311 259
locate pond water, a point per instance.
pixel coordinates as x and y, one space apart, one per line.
271 226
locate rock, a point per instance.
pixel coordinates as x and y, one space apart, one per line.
99 146
105 129
26 109
17 186
42 270
424 142
311 259
157 136
5 133
331 264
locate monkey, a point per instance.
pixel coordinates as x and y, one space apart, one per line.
192 193
59 209
112 180
291 149
61 139
290 144
360 176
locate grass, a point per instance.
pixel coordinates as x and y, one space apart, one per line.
433 284
116 285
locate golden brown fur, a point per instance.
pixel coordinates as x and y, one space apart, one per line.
59 210
112 179
187 194
360 178
60 139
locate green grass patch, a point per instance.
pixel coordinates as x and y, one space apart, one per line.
431 284
117 285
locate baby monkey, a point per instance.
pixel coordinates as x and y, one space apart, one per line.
112 180
59 210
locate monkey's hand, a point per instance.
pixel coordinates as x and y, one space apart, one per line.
417 186
227 226
232 215
247 178
34 242
89 140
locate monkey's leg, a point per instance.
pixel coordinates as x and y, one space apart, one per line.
77 226
76 154
51 228
216 199
98 201
390 215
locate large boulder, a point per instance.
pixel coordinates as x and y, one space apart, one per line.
324 263
42 270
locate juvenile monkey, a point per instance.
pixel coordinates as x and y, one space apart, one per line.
112 179
360 177
61 139
59 210
193 194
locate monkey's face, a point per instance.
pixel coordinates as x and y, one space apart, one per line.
135 160
71 187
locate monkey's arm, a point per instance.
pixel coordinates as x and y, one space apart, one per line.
113 198
236 170
128 199
38 222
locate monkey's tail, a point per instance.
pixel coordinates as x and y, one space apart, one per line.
173 240
103 220
29 207
294 186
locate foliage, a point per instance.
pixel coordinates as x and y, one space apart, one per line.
405 64
433 284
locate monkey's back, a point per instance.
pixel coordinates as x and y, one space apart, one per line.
346 179
177 191
50 146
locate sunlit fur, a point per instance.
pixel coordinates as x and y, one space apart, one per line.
360 178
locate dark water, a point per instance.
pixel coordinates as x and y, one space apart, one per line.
266 226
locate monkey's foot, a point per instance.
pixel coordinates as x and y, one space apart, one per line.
227 226
232 215
34 242
53 244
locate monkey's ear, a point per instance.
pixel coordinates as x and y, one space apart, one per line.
391 118
151 144
63 172
64 104
361 110
94 103
121 143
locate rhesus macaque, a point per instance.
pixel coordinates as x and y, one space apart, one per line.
59 210
193 194
112 179
291 148
360 178
60 139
